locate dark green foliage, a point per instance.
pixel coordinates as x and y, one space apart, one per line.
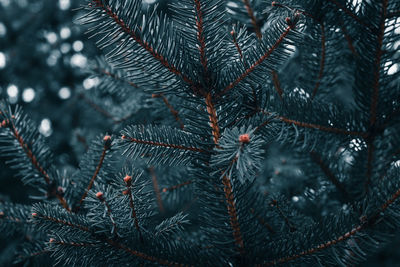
256 133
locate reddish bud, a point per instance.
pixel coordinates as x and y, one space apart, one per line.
125 192
288 21
34 214
52 240
99 195
165 190
1 214
60 189
13 116
123 137
4 123
107 141
127 179
273 3
232 32
244 138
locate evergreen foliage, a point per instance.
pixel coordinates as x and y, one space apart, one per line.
257 133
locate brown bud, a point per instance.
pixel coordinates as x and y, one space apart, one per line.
244 138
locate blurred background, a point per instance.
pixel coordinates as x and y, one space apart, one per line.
44 60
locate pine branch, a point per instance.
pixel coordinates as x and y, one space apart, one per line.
160 144
277 85
128 181
291 226
315 126
174 187
124 28
100 196
352 15
171 109
213 118
348 38
374 96
38 215
322 62
104 112
318 248
200 37
239 50
261 59
156 189
328 173
252 18
115 77
14 121
106 147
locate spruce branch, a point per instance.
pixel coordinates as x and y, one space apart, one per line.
314 125
277 85
128 181
31 147
156 189
329 174
106 147
253 19
173 111
260 60
352 15
134 35
374 96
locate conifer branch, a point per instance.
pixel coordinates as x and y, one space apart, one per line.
159 144
128 182
375 95
60 221
145 45
365 223
28 152
115 77
291 226
106 147
174 187
315 126
113 243
212 114
173 111
226 181
156 189
237 47
260 60
322 62
318 248
348 38
328 173
351 14
277 85
104 112
13 219
252 18
200 37
73 244
234 220
263 222
100 196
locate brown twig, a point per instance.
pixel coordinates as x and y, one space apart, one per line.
106 147
173 111
260 60
252 18
156 189
328 173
